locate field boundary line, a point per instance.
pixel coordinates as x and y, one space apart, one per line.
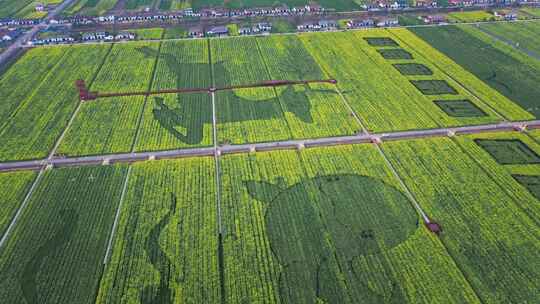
465 88
77 109
343 99
152 79
22 207
280 101
217 153
116 218
406 80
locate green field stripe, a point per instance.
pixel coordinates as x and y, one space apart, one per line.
450 76
150 84
61 233
482 232
34 91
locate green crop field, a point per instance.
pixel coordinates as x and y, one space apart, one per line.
37 121
522 35
503 68
61 237
178 120
90 7
290 219
13 187
485 226
110 125
166 246
472 16
148 33
315 224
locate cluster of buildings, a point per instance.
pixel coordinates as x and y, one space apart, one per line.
63 38
321 25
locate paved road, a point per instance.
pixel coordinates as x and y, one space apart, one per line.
20 42
269 146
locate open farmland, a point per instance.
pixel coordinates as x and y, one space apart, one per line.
505 69
277 207
485 228
35 124
110 125
427 197
178 120
245 115
524 35
166 243
13 188
61 234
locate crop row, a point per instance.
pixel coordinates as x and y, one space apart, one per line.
329 225
506 70
166 246
33 128
55 252
109 125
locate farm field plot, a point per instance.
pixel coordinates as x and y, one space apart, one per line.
178 120
504 156
473 16
61 237
109 125
378 91
483 97
13 189
166 245
515 75
489 236
524 35
90 7
8 8
315 110
245 115
148 33
287 239
14 83
32 130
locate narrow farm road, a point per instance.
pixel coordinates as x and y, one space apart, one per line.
268 146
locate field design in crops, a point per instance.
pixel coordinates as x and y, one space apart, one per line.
509 151
350 221
460 108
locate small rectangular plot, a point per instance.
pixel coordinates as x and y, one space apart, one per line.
530 182
380 41
395 54
460 108
409 69
434 87
509 151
